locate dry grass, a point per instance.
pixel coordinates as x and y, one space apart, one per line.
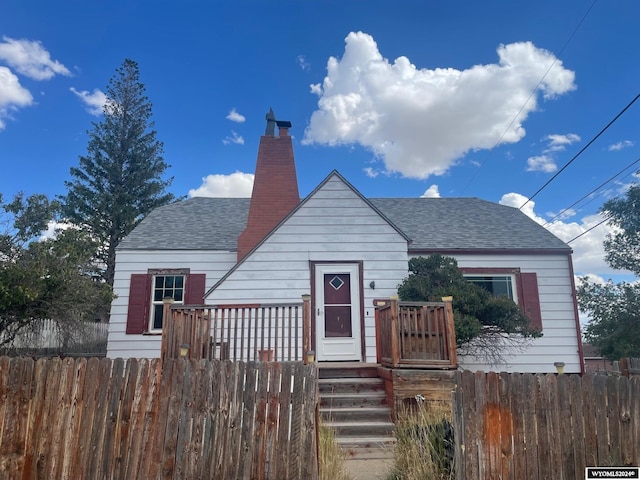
331 457
421 447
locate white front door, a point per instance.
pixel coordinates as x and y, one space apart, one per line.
337 312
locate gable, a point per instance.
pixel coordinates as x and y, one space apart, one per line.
335 222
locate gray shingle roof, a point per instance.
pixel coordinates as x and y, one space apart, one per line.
431 223
198 223
465 223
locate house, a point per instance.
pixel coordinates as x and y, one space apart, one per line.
344 250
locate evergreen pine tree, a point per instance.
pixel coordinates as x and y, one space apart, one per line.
120 180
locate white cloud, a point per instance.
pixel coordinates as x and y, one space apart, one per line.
620 145
555 143
302 62
238 185
558 143
422 121
371 172
12 95
94 102
52 230
234 138
234 116
431 192
588 250
30 58
542 163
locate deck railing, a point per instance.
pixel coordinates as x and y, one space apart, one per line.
415 334
273 332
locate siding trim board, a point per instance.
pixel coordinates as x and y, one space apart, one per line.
491 251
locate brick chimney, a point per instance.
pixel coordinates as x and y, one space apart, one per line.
275 186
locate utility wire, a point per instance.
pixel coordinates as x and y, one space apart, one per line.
591 228
581 150
555 60
592 191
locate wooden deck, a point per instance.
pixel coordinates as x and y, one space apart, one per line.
415 342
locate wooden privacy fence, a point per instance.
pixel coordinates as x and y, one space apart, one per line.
110 419
544 426
272 332
415 334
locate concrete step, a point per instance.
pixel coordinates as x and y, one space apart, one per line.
368 429
350 385
368 446
335 400
351 414
347 370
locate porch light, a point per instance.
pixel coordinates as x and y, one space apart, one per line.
311 357
306 297
559 366
184 350
447 299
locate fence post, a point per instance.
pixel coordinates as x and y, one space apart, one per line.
167 325
395 332
376 309
306 327
451 331
457 400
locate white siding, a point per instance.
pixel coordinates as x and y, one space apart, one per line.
333 225
212 263
559 342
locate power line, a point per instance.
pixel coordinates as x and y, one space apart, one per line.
555 60
581 150
592 191
591 228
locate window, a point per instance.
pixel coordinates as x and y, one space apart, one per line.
165 286
146 291
498 285
519 286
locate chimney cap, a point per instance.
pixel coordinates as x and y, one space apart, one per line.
270 131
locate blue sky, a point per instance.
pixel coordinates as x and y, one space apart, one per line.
456 98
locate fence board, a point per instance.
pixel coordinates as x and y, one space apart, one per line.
543 426
613 415
235 416
635 415
506 426
70 463
492 427
602 424
75 418
565 432
517 404
272 419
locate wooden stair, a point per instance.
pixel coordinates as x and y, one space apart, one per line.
353 403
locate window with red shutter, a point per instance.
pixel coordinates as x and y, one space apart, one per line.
520 287
147 291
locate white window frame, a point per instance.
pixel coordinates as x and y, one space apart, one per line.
510 276
160 303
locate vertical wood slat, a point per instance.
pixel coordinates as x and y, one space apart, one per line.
559 424
178 418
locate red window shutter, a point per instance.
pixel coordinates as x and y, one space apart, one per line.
530 299
139 301
195 289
